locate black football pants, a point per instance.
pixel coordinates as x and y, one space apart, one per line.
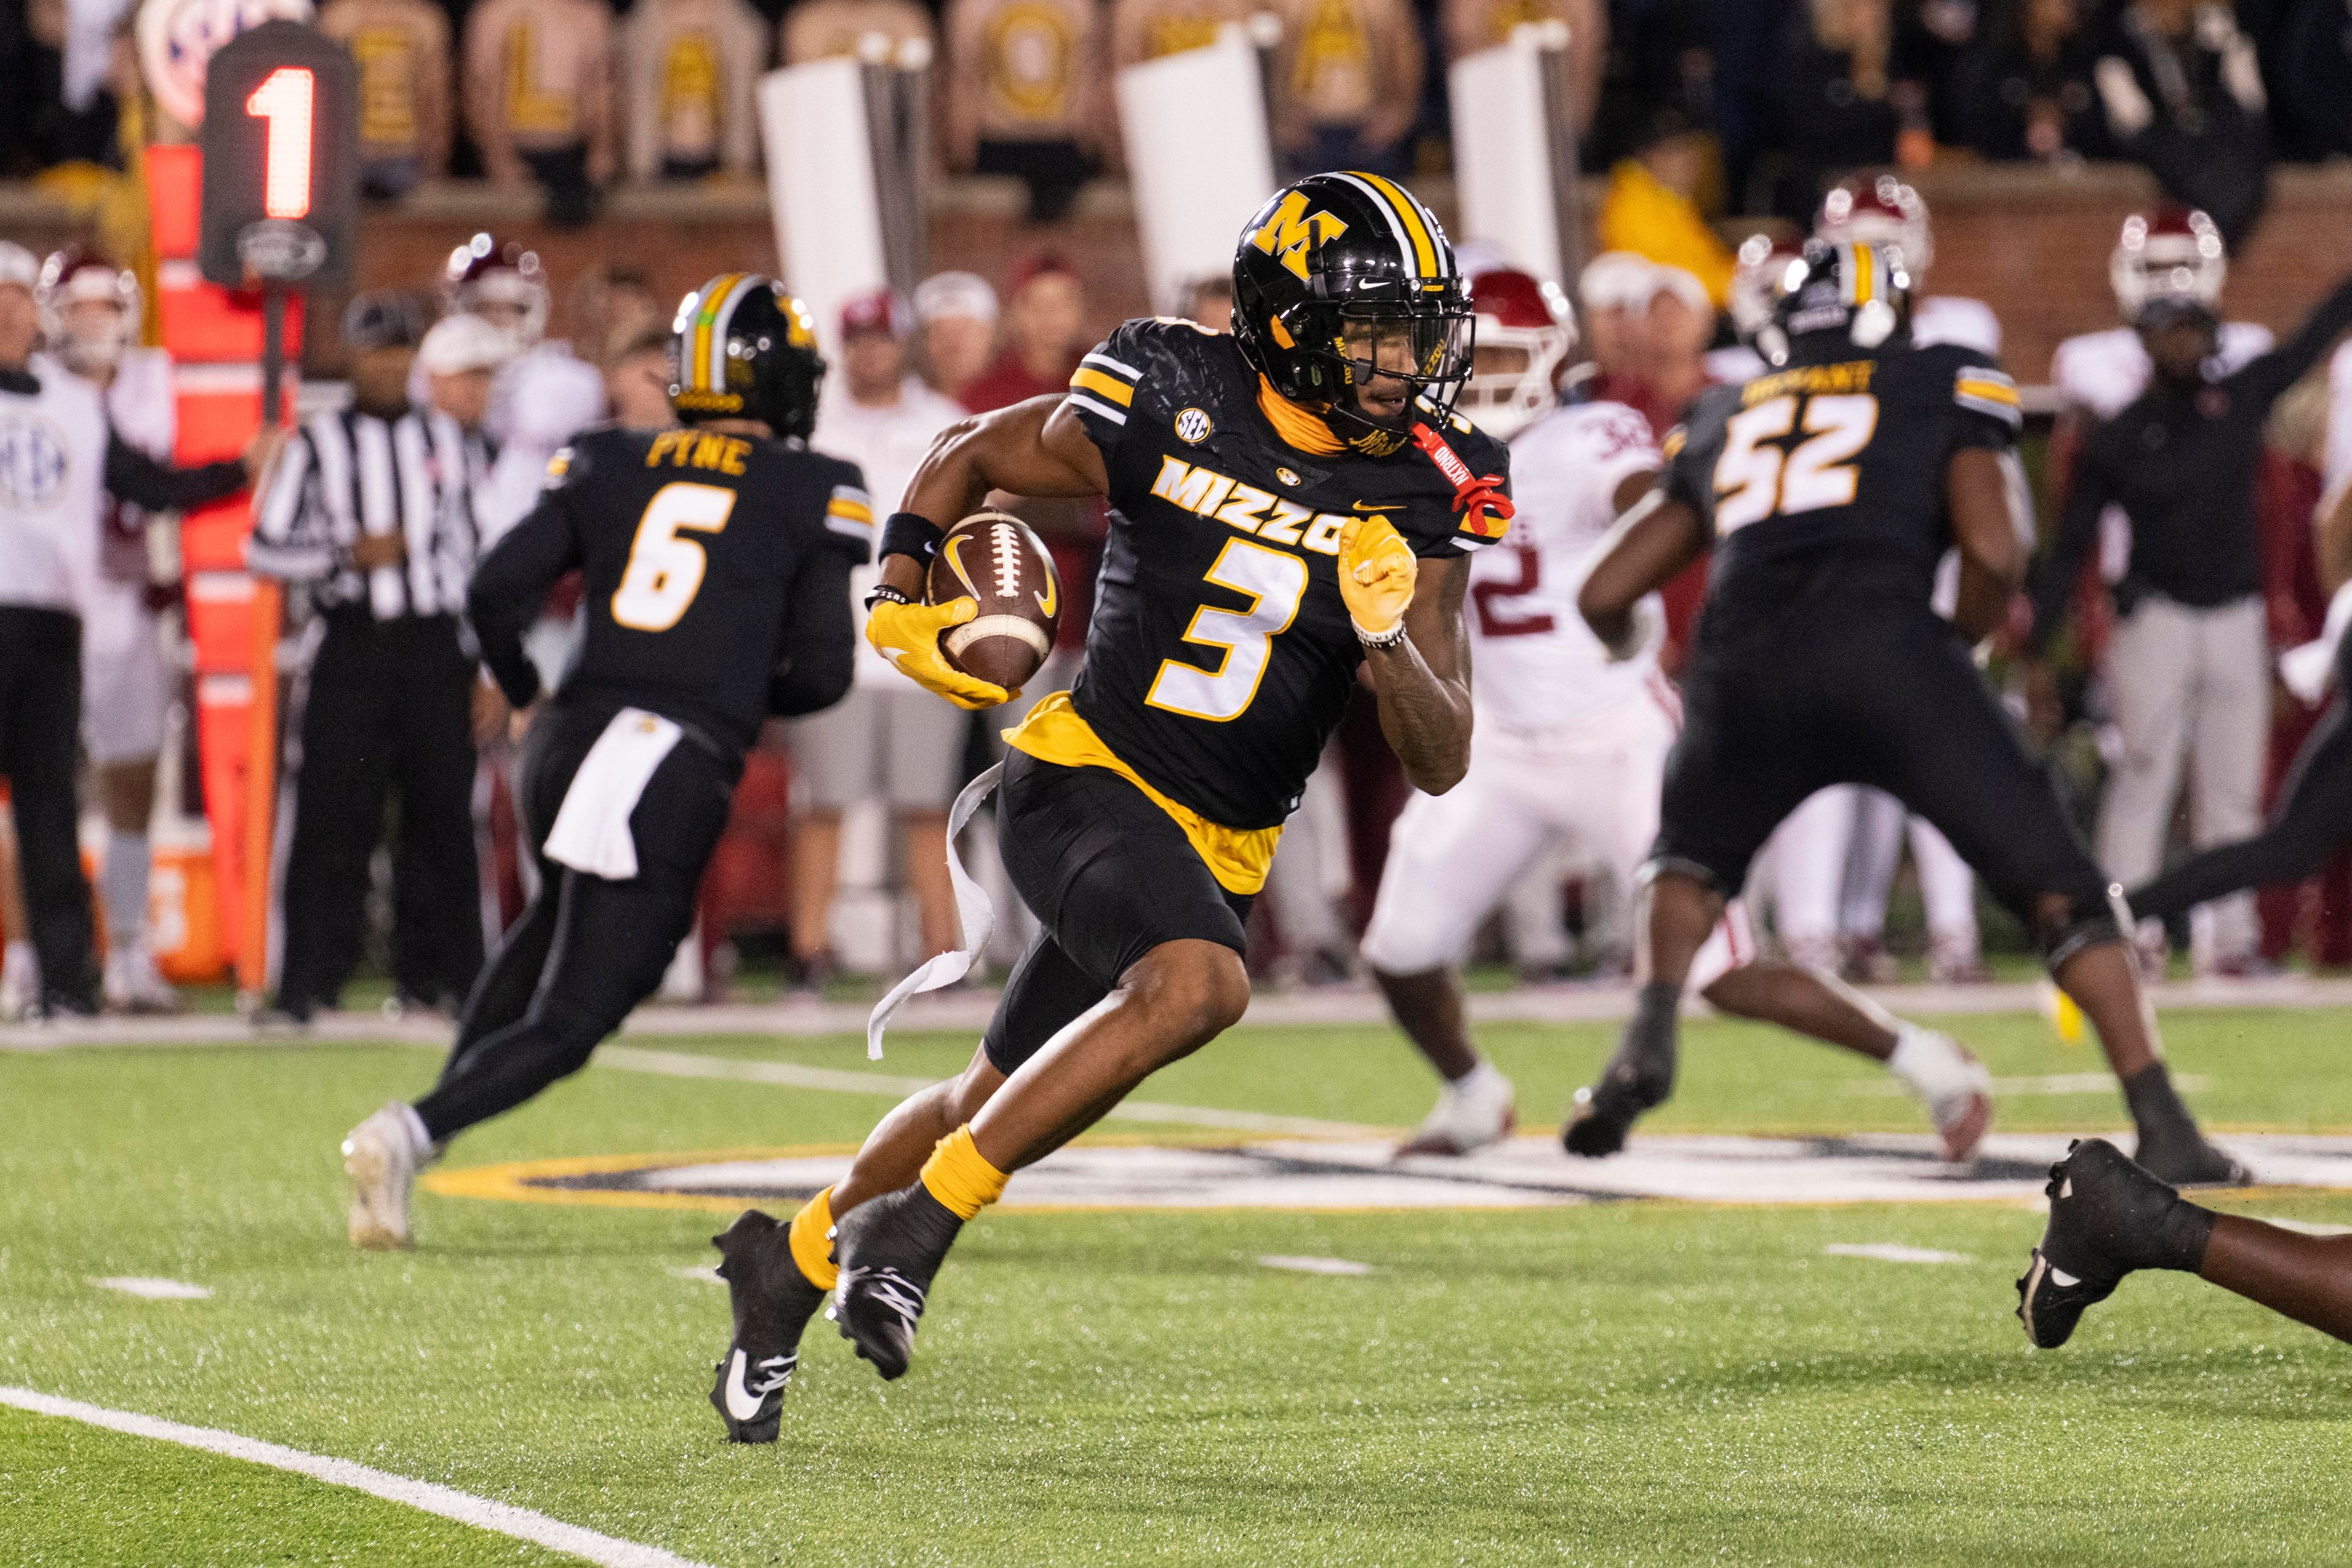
40 731
390 711
587 949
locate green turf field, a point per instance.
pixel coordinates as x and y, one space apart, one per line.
1621 1382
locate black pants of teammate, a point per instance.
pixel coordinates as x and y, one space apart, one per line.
2312 820
588 949
1849 678
1109 877
40 730
390 711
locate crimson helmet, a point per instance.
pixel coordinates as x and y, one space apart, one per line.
1525 335
1756 283
1879 211
2174 261
76 276
487 278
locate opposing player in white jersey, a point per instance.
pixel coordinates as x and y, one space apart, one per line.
1835 859
90 312
1569 744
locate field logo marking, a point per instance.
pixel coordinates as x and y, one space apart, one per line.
482 1513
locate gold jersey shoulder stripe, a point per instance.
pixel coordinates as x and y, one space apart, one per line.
1089 379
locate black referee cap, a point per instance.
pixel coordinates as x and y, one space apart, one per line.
384 320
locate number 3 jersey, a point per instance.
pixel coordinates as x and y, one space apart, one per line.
1221 655
1829 477
692 548
1534 664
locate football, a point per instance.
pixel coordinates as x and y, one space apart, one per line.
999 561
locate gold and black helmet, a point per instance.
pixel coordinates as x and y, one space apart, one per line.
742 348
1343 275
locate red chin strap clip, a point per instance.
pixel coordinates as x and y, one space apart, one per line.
1472 494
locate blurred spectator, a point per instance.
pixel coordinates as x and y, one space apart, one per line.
1660 54
539 98
2182 93
371 510
1028 95
827 29
1210 302
1831 90
1471 25
692 66
887 740
461 356
1147 29
2309 69
636 379
1652 208
1675 331
543 396
958 314
2024 90
608 305
402 49
1348 83
1615 290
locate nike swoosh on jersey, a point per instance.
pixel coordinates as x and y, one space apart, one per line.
741 1403
1366 506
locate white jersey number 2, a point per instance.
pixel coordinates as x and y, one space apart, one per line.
664 572
1754 480
1273 580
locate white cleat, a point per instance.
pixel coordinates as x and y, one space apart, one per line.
20 981
380 1157
1475 1110
133 984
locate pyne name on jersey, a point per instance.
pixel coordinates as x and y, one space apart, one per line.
698 449
1852 377
1247 508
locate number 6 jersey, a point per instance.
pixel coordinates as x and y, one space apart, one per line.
1834 468
1221 656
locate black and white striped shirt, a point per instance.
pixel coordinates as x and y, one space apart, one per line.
348 473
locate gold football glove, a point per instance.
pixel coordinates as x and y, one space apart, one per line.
1376 574
909 636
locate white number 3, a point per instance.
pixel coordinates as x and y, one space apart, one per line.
1273 580
1753 481
664 572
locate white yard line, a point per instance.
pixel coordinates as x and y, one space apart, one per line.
1892 1252
148 1288
503 1518
2056 1083
1314 1265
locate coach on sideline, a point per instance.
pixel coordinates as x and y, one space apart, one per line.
57 462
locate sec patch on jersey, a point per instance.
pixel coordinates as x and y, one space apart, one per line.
999 561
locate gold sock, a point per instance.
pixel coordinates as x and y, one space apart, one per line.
961 1177
812 1241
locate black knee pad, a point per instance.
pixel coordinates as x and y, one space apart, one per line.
2088 923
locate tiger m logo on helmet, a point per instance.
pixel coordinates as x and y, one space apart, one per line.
1291 231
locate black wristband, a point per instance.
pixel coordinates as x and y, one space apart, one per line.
883 594
910 534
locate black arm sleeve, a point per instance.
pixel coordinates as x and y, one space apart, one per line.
132 476
2078 532
820 642
2269 376
510 585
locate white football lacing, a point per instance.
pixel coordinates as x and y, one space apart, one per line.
893 1290
1004 540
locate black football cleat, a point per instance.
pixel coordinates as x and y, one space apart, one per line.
1639 1078
2189 1162
773 1301
2108 1217
889 1250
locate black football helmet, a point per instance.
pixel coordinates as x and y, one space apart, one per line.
1858 292
1344 277
742 348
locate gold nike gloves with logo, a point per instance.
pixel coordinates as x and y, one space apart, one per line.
907 635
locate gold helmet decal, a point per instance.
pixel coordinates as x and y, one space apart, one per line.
1292 230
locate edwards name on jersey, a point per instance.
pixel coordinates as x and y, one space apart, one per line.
1221 656
1842 459
688 542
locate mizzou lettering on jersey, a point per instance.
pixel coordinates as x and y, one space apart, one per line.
1221 656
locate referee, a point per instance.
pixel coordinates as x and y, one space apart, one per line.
369 510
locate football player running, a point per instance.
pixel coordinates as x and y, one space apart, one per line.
715 561
1827 491
1290 504
1570 742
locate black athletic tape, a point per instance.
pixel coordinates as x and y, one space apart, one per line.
910 534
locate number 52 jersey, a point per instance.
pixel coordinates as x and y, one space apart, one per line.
1221 656
1834 465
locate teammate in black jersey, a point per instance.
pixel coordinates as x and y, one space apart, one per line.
1828 491
1290 504
717 561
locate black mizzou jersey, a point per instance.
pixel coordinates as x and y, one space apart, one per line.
1836 462
1221 656
688 543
